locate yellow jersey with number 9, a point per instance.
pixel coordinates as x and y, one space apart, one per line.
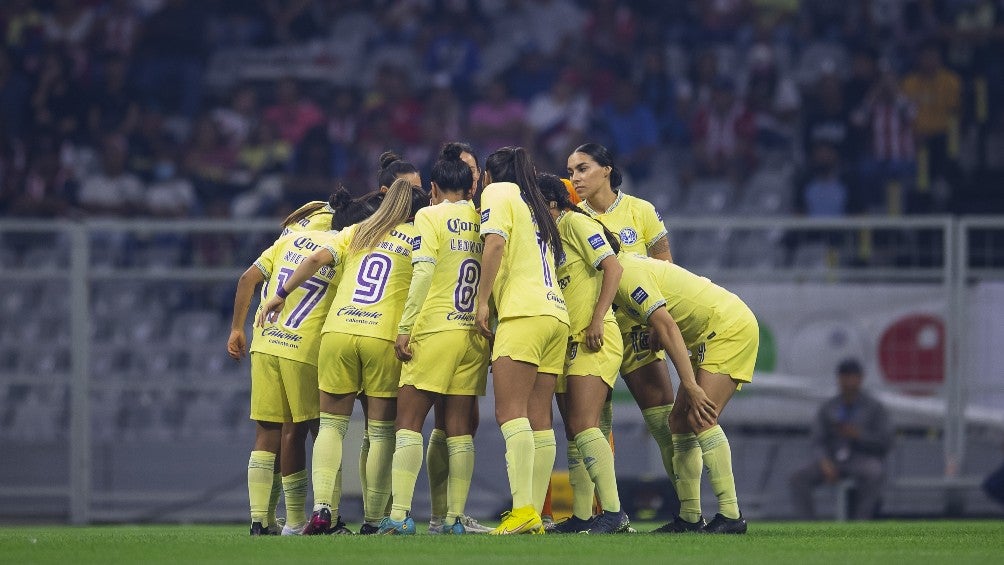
448 237
579 276
371 295
526 284
296 335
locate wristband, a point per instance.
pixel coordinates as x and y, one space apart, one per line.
281 292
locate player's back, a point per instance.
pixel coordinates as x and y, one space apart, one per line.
372 292
318 220
449 237
526 282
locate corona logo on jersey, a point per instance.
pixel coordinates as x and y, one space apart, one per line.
628 236
456 225
305 243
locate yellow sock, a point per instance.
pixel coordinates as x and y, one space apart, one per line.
607 419
327 458
519 453
294 489
598 459
687 464
545 449
273 497
378 477
406 464
364 453
657 420
461 453
717 457
260 473
582 485
437 465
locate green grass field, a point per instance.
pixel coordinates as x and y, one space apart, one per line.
886 543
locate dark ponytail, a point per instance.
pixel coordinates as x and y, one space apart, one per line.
392 167
554 190
513 164
602 157
449 172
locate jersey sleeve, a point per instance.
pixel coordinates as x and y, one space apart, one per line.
588 239
426 246
496 213
266 261
652 225
638 294
338 243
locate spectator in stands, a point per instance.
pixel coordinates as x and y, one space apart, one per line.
343 130
113 107
292 115
455 54
497 119
240 118
531 75
558 119
69 26
45 189
264 153
57 104
826 117
113 191
851 437
392 97
825 194
723 133
632 129
146 141
210 162
662 93
773 98
116 29
171 56
169 194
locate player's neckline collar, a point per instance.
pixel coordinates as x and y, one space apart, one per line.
620 196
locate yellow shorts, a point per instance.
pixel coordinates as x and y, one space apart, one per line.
538 340
636 351
452 362
282 390
581 361
355 363
731 351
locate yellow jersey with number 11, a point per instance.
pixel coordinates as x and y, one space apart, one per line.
579 275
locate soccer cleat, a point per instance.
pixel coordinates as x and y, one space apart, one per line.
610 523
319 523
436 524
573 525
722 525
390 527
471 526
288 530
257 529
368 529
339 529
680 526
523 520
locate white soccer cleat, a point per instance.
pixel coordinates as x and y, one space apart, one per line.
288 530
436 524
472 526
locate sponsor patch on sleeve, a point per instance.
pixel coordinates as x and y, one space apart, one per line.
416 243
484 215
596 241
639 295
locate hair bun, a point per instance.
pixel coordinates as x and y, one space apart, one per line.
339 199
451 152
388 157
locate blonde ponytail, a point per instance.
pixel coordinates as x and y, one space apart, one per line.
395 208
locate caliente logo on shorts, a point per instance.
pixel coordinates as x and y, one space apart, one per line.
628 236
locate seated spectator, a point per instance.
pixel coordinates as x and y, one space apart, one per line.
237 120
632 129
170 195
851 437
292 115
558 119
825 193
497 119
723 133
773 98
113 191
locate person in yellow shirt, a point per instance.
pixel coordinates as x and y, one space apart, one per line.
588 274
711 338
518 276
640 229
356 354
443 354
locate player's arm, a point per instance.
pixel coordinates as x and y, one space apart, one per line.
237 343
491 262
665 334
612 271
660 249
306 269
421 281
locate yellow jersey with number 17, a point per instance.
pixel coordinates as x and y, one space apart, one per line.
634 220
448 237
371 295
579 275
526 284
296 335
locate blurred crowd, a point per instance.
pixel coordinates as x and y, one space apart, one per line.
127 108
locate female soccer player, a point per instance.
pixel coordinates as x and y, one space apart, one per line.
444 356
357 343
689 315
595 178
588 274
517 273
284 403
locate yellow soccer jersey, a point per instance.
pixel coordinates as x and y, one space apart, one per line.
448 237
526 284
578 274
634 220
319 220
372 292
296 335
693 301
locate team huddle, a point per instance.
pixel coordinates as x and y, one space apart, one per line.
402 299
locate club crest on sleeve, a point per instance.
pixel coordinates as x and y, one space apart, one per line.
416 243
628 236
596 241
484 215
639 295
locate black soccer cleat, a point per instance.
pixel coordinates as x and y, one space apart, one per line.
722 525
610 523
368 529
680 526
257 529
339 529
573 525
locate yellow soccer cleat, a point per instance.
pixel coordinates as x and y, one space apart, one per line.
524 520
